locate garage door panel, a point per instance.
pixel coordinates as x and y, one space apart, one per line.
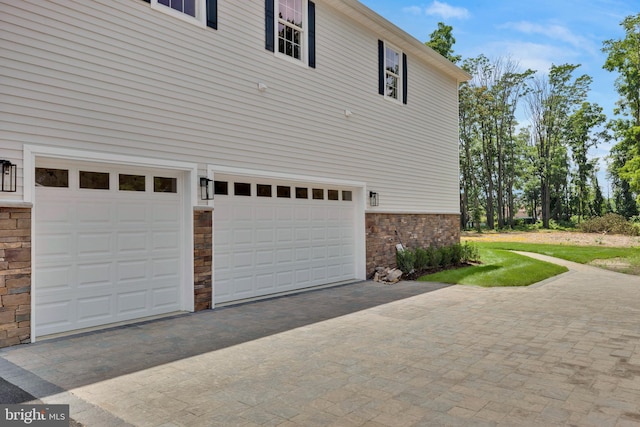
164 299
130 213
134 302
95 309
54 246
165 268
265 282
95 214
129 242
94 244
94 275
165 240
60 314
54 278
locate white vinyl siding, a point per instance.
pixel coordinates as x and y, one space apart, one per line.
105 76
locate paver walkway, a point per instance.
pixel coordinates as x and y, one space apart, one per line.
565 352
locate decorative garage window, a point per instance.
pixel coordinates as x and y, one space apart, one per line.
284 191
46 177
200 12
392 70
165 185
347 196
241 189
263 190
94 180
221 187
302 193
333 195
318 194
131 182
290 29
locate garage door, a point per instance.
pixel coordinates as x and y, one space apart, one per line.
107 245
272 237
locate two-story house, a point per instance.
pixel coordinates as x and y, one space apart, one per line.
174 155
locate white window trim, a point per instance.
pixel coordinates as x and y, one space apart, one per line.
304 39
400 88
201 12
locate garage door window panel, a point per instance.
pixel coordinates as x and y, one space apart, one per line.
241 189
131 182
284 191
165 185
47 177
94 180
263 190
221 188
318 194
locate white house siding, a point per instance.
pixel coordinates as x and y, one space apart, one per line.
117 76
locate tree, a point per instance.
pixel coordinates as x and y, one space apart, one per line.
580 138
551 102
623 57
442 41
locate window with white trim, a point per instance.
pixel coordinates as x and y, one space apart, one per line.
194 11
392 73
292 27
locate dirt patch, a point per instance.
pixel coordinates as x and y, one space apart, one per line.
616 264
556 238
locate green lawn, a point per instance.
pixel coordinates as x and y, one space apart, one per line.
499 268
503 268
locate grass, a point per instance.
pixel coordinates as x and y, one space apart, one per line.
627 260
503 268
499 268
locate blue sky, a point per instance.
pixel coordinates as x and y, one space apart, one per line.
536 34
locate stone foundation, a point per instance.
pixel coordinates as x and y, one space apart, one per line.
202 258
15 275
413 231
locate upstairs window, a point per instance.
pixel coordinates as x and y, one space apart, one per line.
200 12
392 70
290 29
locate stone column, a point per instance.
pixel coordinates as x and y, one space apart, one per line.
15 275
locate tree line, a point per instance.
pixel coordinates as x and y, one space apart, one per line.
541 164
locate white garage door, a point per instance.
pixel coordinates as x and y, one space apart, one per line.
107 245
272 237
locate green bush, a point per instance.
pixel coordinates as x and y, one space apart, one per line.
470 252
456 253
406 261
435 257
422 259
609 223
446 257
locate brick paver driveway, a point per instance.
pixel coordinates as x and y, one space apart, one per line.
564 352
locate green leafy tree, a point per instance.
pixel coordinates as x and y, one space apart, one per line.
623 57
441 40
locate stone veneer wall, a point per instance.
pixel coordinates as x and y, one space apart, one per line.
414 230
202 257
15 275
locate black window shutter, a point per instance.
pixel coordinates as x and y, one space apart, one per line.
380 67
312 34
212 14
268 25
404 78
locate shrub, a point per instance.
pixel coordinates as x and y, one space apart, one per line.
422 259
434 257
446 256
406 261
456 253
609 223
470 252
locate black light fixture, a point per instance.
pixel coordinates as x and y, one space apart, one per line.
206 188
9 176
373 198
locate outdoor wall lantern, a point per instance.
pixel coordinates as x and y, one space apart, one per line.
206 188
9 176
373 198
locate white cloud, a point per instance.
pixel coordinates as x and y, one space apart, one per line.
529 55
412 10
552 31
446 11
